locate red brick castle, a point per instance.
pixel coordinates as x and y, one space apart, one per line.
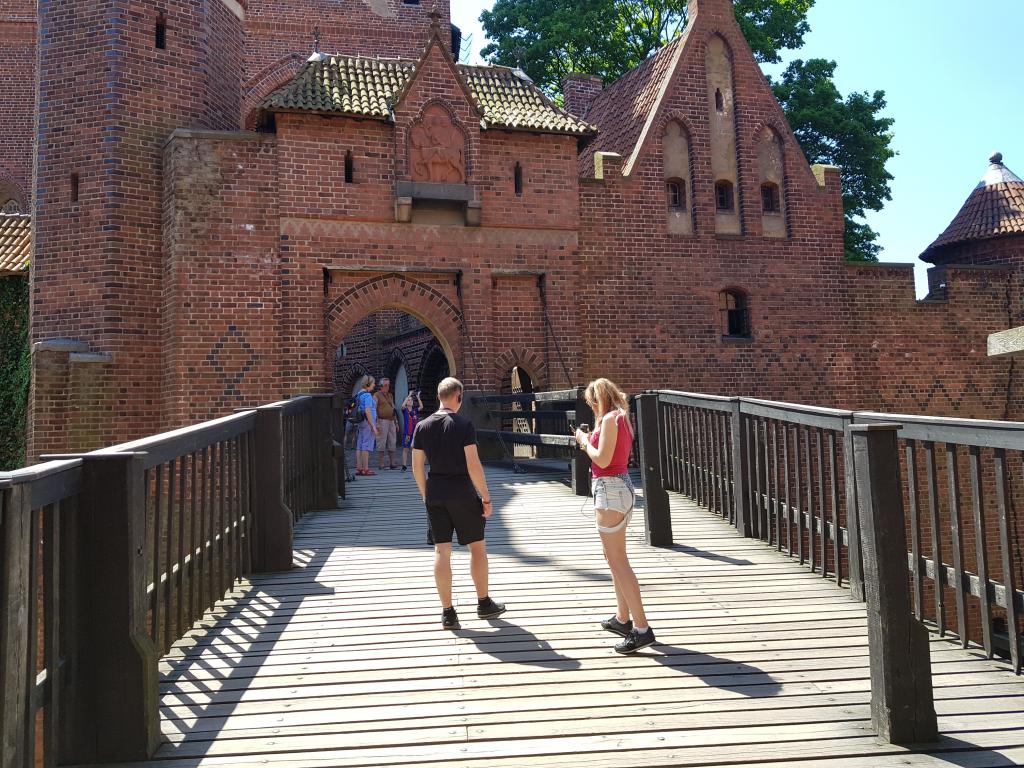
214 210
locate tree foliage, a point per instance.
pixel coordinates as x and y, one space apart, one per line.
550 39
14 370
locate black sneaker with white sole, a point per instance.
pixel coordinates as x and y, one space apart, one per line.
619 628
635 641
450 618
488 609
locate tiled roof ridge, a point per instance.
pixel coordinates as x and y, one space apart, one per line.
990 211
334 84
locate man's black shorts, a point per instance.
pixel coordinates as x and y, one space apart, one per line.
464 515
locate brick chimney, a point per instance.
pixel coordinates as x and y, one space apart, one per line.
580 90
712 9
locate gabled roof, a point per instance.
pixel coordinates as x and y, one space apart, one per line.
369 88
15 242
624 112
994 209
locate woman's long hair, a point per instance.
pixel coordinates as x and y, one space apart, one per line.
603 395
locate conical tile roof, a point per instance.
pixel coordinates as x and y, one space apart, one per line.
994 209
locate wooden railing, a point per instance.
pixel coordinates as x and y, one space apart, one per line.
107 558
786 474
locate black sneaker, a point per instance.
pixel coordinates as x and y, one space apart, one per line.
489 609
635 641
449 619
619 628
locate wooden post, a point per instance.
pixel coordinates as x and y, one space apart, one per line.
323 452
111 698
271 518
580 460
853 527
338 427
15 593
657 517
902 708
489 448
741 502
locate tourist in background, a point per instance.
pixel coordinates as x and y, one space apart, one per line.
412 406
366 437
608 447
387 426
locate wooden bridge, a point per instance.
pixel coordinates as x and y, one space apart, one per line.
211 654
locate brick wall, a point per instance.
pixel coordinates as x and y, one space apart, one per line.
17 97
107 105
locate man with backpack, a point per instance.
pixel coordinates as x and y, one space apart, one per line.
366 417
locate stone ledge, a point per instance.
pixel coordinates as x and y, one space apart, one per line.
61 345
191 133
423 190
91 358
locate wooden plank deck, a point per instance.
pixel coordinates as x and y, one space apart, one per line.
342 661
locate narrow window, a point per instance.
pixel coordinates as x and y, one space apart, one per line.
349 167
724 199
161 32
676 194
719 100
519 180
770 199
74 187
11 206
410 2
735 318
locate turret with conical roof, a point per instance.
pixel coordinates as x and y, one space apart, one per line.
989 229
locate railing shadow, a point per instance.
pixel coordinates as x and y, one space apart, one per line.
210 699
704 555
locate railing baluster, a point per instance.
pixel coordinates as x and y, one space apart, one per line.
819 456
247 443
777 501
32 660
788 510
52 630
837 539
193 531
180 581
933 518
811 520
158 528
168 575
978 503
953 472
210 566
728 506
236 505
222 550
915 530
1003 492
691 475
798 500
759 473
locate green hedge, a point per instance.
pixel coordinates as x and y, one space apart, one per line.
14 370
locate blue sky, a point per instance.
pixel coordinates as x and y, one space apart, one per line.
953 80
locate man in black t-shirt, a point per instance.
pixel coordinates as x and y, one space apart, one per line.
456 495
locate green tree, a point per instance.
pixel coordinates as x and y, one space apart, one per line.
845 132
14 370
549 39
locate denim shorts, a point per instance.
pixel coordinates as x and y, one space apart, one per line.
614 492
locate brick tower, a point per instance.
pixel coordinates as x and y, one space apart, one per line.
116 77
17 101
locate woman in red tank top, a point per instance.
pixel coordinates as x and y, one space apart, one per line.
608 447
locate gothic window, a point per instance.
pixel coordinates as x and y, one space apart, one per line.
11 206
735 316
725 198
676 193
771 201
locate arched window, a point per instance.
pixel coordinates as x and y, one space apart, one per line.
771 200
735 315
11 206
719 100
725 198
675 191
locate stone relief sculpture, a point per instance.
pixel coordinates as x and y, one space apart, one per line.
437 149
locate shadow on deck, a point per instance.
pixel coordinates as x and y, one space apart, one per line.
342 662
